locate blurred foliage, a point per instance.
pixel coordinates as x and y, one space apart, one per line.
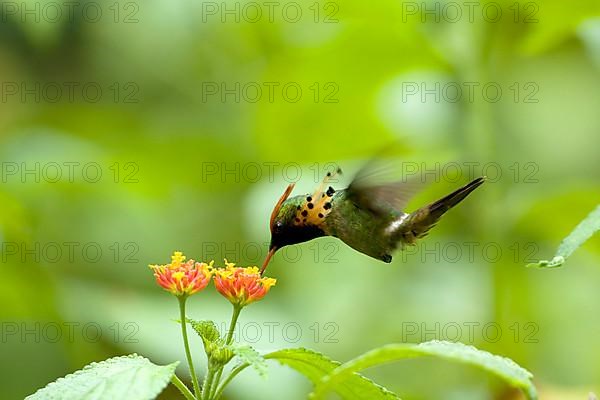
582 232
155 196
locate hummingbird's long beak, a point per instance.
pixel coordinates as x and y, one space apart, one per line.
272 251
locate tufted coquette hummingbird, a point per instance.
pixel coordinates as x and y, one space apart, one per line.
367 216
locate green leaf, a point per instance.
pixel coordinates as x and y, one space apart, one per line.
207 330
576 238
247 355
315 366
502 367
129 377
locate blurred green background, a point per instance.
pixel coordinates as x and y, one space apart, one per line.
129 130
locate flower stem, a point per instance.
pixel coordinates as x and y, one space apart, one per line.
182 388
188 354
206 392
232 375
234 317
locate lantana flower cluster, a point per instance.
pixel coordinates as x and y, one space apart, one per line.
241 286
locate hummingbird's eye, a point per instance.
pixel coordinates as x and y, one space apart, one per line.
278 226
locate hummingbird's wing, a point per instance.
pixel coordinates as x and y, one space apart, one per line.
380 187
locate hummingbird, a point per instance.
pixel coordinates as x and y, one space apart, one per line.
367 216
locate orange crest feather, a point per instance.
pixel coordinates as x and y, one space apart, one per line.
318 205
277 207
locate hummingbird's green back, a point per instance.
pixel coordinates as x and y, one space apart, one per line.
360 229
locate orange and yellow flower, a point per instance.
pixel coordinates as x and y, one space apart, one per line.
242 286
183 278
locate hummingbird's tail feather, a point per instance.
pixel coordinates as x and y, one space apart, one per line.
444 204
419 222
